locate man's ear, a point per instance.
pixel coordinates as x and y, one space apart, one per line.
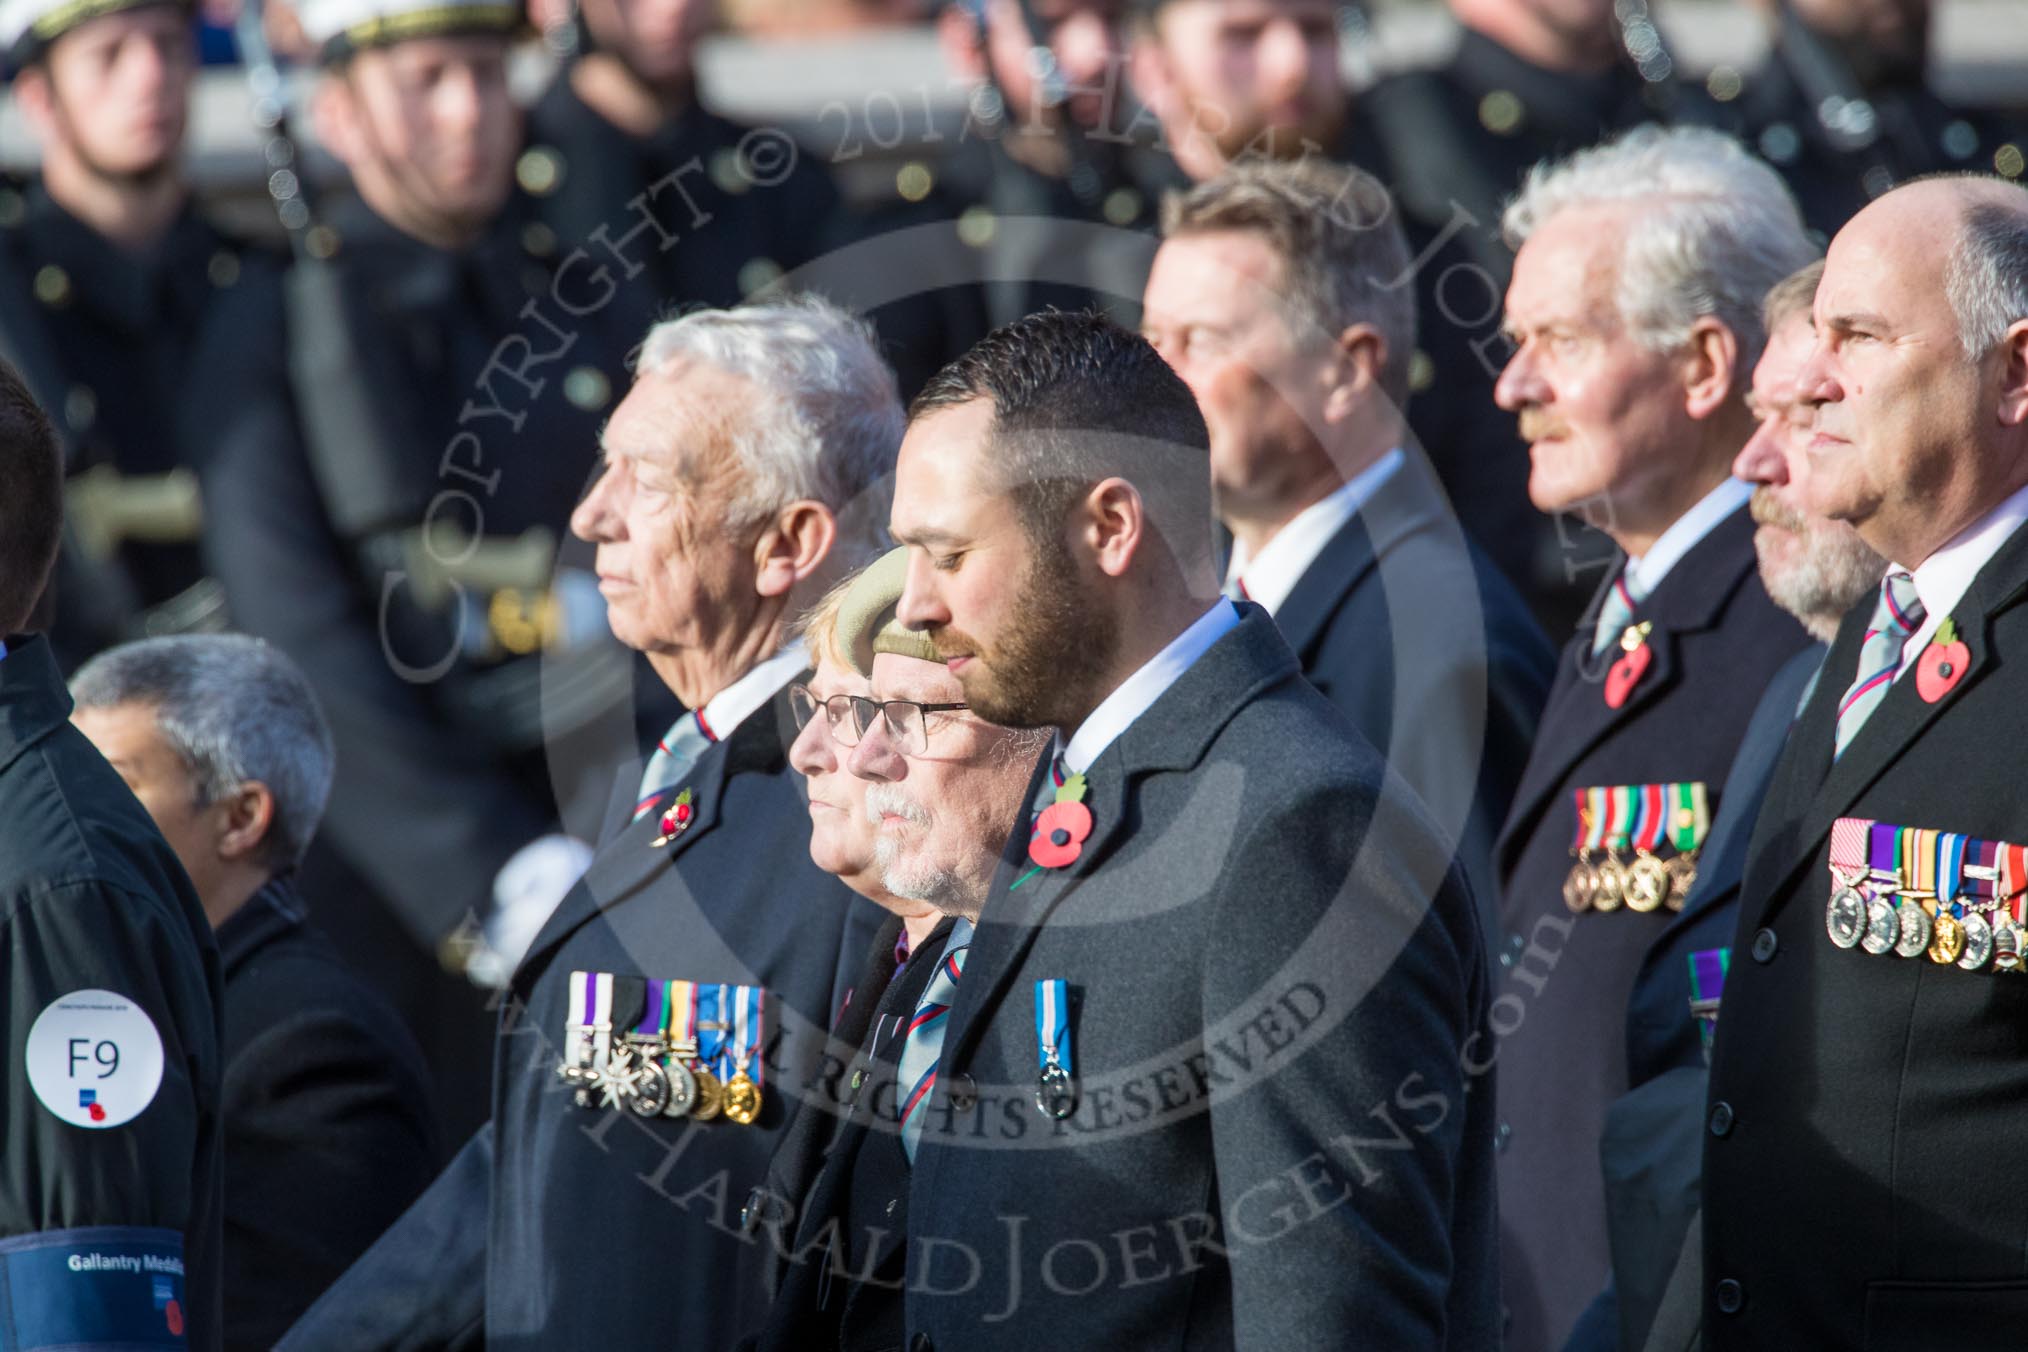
1710 368
249 813
2014 374
37 97
1353 372
1112 522
334 113
959 38
793 546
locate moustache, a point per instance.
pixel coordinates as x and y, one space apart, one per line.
886 800
1537 423
1768 510
951 642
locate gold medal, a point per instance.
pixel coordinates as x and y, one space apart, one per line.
1948 943
1682 873
1581 884
742 1099
710 1094
1647 883
1612 885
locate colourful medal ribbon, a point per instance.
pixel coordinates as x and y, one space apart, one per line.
1848 847
654 1010
1622 822
1944 854
580 1024
1883 854
1052 1025
683 1015
599 1009
1654 816
1691 817
1979 874
1596 820
1582 839
1917 854
747 1021
711 1038
1708 969
2013 876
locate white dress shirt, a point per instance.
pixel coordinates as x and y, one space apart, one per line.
1269 576
1942 579
1685 534
1117 711
733 705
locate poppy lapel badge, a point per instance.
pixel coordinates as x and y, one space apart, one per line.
676 818
1942 664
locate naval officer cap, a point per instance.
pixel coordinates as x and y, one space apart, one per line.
866 620
338 28
27 27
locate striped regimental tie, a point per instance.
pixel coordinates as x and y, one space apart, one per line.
688 738
923 1047
1897 617
1616 614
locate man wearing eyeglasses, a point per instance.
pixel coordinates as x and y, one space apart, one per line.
942 784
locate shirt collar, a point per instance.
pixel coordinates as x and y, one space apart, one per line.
1135 695
1685 534
732 706
1942 579
1274 572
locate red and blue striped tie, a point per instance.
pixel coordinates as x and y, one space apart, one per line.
688 738
1616 613
1895 620
923 1047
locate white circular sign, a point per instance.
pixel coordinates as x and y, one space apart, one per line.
94 1059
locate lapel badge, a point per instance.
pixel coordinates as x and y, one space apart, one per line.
1635 655
1942 664
1060 830
676 818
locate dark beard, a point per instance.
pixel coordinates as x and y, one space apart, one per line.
1045 671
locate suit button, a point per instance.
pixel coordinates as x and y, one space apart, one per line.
749 1215
1500 1136
1721 1119
1731 1295
921 1343
1764 946
964 1093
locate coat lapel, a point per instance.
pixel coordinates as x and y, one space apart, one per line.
1402 505
1900 721
1692 598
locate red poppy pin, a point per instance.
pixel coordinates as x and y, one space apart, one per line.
676 818
1060 829
1942 664
1625 674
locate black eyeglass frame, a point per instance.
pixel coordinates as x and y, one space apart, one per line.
907 719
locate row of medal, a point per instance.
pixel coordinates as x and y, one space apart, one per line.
665 1048
1937 894
1620 830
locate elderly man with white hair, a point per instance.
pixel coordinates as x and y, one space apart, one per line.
1635 314
670 1014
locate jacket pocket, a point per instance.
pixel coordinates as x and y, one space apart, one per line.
1946 1316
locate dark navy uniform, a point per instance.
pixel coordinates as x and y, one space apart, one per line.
1565 980
596 1226
388 490
329 1135
106 338
1863 1107
110 1181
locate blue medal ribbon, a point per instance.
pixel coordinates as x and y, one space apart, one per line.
711 1042
1052 1025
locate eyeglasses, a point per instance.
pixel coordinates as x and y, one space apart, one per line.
849 717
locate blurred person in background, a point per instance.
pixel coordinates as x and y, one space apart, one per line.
399 426
1842 105
329 1133
1282 323
108 267
1232 80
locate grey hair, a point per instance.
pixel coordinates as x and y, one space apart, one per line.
1721 228
1986 279
1344 257
234 709
830 429
1793 297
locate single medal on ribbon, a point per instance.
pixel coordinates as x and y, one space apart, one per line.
649 1042
1647 883
2011 878
578 1069
1845 916
708 1019
1881 926
1708 970
1056 1087
1583 880
679 1048
1930 863
743 1091
1617 822
1689 823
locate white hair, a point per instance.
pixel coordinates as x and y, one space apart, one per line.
1986 279
234 710
1719 230
832 424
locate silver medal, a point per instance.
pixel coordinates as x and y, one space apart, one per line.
1883 927
1978 942
649 1091
1916 929
2006 945
1056 1093
682 1089
1845 917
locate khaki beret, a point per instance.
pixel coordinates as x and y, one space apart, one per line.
866 622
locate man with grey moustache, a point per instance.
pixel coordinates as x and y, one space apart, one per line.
942 786
1816 569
